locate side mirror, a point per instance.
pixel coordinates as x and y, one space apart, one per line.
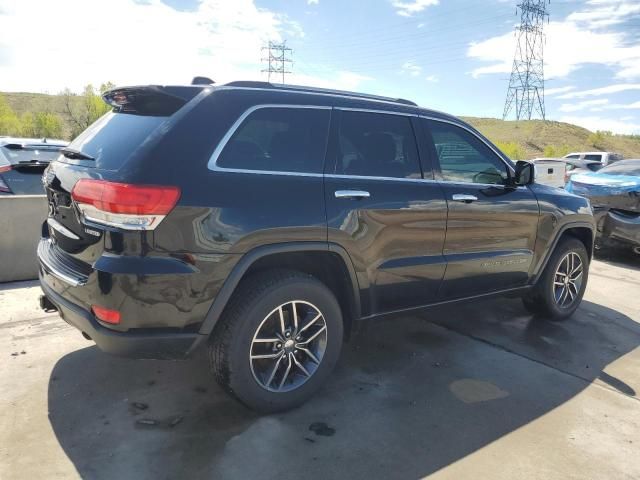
525 173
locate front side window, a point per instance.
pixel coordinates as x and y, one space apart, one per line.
464 158
279 139
377 145
596 158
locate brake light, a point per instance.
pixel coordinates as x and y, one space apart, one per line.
3 185
123 205
106 314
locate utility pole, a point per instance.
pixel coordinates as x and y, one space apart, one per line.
526 85
277 59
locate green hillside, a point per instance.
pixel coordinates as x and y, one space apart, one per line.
533 136
520 140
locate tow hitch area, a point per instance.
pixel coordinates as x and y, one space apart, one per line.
46 304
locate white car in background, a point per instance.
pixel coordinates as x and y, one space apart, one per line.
580 166
605 158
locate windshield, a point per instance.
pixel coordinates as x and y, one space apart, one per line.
622 168
113 138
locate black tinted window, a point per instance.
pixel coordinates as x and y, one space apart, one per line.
114 137
377 145
464 158
597 158
279 140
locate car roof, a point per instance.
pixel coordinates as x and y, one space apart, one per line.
340 98
589 153
45 142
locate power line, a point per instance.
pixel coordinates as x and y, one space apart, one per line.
277 59
526 85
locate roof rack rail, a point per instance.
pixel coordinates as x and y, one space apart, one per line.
302 88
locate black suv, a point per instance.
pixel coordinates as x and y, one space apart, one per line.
265 221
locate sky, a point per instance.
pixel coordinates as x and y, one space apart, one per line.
449 55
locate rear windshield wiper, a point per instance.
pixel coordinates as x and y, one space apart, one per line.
75 154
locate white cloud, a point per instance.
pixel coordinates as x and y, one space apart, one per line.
313 2
570 44
575 107
409 8
432 78
606 13
411 69
594 123
548 92
80 41
609 89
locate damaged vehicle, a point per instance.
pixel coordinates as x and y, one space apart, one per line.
614 192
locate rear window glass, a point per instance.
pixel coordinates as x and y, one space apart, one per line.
31 154
114 137
279 139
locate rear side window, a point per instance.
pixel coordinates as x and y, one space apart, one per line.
597 158
377 145
114 137
279 139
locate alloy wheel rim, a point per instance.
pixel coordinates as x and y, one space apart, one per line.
288 346
567 281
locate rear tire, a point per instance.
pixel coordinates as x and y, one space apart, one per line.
261 309
560 288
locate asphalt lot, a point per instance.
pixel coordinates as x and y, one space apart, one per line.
477 391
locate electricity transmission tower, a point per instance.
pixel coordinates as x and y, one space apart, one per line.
277 59
526 85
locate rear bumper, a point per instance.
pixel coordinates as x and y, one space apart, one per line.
154 345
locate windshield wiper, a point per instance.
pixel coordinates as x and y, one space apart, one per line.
75 154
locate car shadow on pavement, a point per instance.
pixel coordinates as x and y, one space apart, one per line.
409 397
619 257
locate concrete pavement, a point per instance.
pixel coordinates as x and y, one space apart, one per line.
476 391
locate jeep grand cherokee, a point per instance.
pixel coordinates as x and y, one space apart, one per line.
265 221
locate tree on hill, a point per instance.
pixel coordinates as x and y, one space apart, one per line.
86 111
35 125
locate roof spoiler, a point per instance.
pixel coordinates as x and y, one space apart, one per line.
153 100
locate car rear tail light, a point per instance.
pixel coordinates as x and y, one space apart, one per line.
123 205
106 314
3 185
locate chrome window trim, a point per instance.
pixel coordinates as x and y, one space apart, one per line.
212 164
395 179
213 160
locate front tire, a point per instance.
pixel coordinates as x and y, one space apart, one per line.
561 286
277 341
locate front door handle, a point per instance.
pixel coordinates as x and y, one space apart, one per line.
463 197
352 194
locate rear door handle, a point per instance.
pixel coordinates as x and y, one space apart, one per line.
352 194
463 197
